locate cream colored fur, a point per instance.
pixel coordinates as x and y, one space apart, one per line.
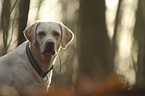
17 76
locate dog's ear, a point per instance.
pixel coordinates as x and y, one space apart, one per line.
30 31
67 35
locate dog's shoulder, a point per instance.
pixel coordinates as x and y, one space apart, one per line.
20 50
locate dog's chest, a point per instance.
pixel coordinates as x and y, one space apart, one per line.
16 70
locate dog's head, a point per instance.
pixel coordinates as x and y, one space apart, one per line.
48 36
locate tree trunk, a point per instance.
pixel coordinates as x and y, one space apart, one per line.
23 16
5 23
139 35
93 43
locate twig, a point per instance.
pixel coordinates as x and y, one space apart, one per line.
13 27
40 2
60 62
13 7
13 21
4 30
134 64
116 21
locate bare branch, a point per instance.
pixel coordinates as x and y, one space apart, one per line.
13 27
116 21
5 23
13 7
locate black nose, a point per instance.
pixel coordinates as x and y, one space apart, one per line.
49 47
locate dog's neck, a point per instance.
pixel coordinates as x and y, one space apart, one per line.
44 61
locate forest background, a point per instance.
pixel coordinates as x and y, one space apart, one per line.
107 54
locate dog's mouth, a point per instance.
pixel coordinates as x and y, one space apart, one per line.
49 49
49 52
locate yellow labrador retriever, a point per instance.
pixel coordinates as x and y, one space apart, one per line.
27 70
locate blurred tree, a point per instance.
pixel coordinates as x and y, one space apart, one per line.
117 22
139 35
8 22
23 17
67 57
5 23
95 57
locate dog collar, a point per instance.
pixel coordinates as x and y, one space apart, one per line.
35 64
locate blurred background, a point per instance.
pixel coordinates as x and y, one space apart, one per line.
107 55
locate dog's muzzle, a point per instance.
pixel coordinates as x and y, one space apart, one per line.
49 48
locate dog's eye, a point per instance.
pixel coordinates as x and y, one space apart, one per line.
55 34
41 34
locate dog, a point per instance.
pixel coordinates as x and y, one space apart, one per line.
28 69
